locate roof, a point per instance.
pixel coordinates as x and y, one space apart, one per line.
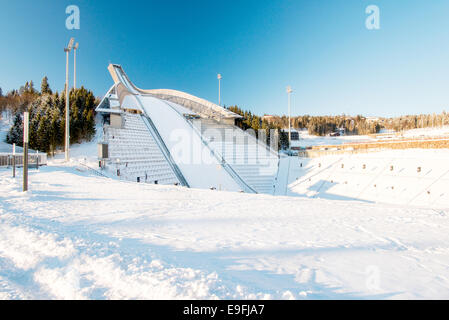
197 105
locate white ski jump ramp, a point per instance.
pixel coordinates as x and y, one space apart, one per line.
168 114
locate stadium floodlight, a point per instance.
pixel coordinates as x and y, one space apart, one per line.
219 78
70 46
289 91
67 119
74 64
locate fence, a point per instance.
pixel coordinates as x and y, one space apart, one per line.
6 159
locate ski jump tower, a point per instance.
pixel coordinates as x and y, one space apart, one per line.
166 136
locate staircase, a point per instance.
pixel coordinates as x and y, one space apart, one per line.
134 152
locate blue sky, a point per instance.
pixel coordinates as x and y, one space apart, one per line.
319 47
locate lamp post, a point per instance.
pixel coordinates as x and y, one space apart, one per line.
289 92
219 98
67 117
74 64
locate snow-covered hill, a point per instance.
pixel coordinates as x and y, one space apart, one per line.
427 132
77 235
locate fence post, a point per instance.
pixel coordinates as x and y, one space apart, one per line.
25 150
13 160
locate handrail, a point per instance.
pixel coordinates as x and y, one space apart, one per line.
216 154
101 174
150 125
6 159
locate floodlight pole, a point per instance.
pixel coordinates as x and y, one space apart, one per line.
67 124
74 64
219 89
289 91
25 150
67 115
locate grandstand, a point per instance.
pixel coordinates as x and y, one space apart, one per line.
408 177
170 137
137 154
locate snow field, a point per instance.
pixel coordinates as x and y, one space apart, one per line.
75 235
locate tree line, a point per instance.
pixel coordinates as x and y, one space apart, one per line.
47 115
416 121
324 125
354 125
256 123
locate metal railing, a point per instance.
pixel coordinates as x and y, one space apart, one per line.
94 171
6 159
221 160
157 137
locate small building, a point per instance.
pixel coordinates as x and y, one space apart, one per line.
338 132
295 139
268 118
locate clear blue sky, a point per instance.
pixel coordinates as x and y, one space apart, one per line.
320 47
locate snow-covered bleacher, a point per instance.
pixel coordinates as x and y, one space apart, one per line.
253 160
134 152
390 176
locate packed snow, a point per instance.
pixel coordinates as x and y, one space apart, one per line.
307 140
76 235
442 131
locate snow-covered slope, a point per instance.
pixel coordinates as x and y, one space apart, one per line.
411 177
199 167
307 140
75 235
427 132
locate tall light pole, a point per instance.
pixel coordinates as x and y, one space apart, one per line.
289 92
67 116
74 65
219 98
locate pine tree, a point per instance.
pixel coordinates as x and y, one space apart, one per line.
31 87
55 133
45 87
15 134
